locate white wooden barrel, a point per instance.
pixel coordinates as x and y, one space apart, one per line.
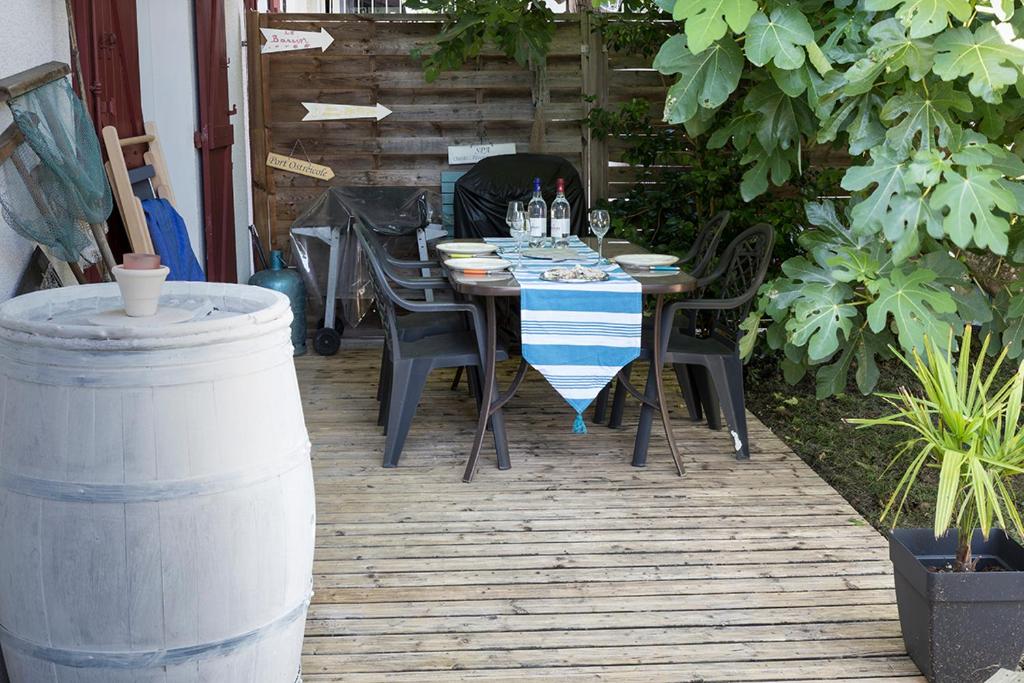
156 494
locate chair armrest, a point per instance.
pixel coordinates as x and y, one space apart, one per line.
412 264
421 283
475 312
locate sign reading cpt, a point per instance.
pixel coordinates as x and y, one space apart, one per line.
300 166
470 154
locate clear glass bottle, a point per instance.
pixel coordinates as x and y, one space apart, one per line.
560 217
537 210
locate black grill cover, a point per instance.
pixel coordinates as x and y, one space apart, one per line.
385 210
483 193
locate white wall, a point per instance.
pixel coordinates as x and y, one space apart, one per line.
31 32
169 97
238 92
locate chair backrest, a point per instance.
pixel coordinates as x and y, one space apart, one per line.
705 245
385 296
740 273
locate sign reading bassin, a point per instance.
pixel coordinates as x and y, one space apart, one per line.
281 40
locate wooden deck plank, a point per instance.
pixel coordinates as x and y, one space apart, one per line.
575 566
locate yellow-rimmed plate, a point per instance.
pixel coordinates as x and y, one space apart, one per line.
466 249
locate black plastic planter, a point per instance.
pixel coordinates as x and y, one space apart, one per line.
959 627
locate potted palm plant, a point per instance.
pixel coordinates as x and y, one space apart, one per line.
959 585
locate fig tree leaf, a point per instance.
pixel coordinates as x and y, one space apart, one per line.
705 80
708 20
778 38
818 58
924 17
971 202
992 56
822 317
886 172
869 346
891 45
925 121
790 81
854 265
780 123
831 379
916 305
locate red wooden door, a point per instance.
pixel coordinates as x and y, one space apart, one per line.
108 45
107 35
214 139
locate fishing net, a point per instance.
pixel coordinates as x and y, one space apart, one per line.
34 205
59 130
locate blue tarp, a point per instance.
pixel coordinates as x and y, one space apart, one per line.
170 241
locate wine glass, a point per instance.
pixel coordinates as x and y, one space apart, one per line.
600 223
515 218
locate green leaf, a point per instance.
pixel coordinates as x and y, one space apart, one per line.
750 328
926 117
831 379
868 348
915 306
701 122
792 370
1011 316
924 17
891 45
862 348
818 58
705 80
823 92
908 211
782 117
739 129
775 164
971 203
821 317
927 167
992 56
886 172
708 20
854 265
860 78
865 130
790 81
779 38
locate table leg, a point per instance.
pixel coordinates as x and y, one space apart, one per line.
487 404
656 360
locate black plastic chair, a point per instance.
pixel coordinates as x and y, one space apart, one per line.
696 263
408 363
712 348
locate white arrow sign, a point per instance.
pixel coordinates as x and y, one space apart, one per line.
280 40
316 111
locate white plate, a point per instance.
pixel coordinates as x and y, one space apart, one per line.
466 248
165 315
487 265
645 260
560 254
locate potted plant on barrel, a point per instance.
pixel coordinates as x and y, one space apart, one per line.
959 585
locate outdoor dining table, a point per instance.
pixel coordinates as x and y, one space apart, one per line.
488 288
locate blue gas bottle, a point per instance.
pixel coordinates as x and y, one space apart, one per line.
288 282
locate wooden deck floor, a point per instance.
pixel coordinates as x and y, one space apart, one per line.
575 566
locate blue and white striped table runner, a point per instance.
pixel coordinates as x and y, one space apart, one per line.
577 335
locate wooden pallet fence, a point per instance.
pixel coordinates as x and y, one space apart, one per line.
492 99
